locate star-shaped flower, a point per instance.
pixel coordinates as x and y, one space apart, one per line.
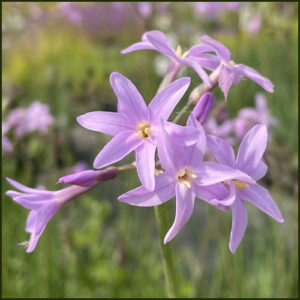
156 40
230 72
134 126
249 161
185 176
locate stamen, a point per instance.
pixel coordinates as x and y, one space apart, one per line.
239 184
178 51
186 177
144 130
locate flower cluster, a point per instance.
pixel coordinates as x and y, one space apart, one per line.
182 168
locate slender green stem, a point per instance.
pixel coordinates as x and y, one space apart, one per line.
165 251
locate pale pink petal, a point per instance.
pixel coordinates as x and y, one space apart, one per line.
252 148
145 164
259 172
164 190
103 121
219 48
130 101
165 101
222 151
239 224
211 172
120 145
185 198
225 81
261 198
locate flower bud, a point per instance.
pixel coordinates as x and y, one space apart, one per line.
89 177
203 107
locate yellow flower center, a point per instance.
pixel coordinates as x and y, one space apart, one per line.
186 177
144 130
239 184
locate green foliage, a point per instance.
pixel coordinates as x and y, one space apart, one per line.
97 247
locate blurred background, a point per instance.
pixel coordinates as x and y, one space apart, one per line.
57 58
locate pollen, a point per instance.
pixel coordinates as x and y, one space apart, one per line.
144 130
186 177
239 184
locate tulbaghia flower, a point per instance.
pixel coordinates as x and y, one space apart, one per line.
248 117
34 118
44 204
38 117
156 40
185 176
249 161
230 72
203 107
134 126
224 129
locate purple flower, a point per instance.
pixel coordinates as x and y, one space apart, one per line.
6 144
185 176
249 161
230 72
38 117
135 126
35 117
156 40
44 204
144 9
248 117
203 107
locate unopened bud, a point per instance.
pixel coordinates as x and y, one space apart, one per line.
89 177
203 107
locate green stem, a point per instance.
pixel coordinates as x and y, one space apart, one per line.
166 252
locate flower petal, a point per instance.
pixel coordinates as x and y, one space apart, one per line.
229 199
197 67
34 238
255 76
120 145
182 135
185 199
252 148
171 155
211 172
145 164
130 101
103 121
138 46
44 214
239 224
261 198
26 189
212 192
196 153
226 79
165 101
219 48
160 42
164 190
31 221
258 172
222 151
